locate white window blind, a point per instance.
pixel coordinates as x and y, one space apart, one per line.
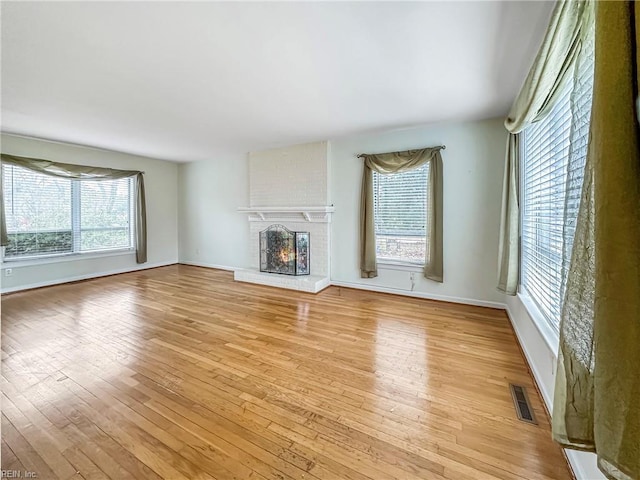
400 215
551 192
48 215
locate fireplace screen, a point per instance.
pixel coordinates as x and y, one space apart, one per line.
284 251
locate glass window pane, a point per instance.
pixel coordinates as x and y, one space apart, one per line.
105 214
38 213
48 215
400 215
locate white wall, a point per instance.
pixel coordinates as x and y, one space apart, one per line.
161 188
291 176
212 232
473 164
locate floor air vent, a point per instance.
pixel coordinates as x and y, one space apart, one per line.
521 402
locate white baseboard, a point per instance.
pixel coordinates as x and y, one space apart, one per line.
428 296
584 465
546 395
87 276
209 265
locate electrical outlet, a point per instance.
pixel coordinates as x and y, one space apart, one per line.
8 272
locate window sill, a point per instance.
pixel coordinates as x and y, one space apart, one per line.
406 267
550 336
69 257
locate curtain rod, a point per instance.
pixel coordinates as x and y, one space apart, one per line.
360 155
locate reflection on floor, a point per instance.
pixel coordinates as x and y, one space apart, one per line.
180 373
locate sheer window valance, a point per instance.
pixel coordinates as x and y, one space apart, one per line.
396 162
80 172
551 70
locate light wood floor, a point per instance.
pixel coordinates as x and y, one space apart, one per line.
180 373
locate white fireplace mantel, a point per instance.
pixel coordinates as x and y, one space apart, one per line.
313 214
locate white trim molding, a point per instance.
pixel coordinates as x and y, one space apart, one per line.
403 267
88 276
208 265
66 257
547 332
427 296
313 214
547 396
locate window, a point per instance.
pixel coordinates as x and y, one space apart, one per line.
49 215
400 215
551 190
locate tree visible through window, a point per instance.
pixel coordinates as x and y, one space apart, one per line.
48 215
400 215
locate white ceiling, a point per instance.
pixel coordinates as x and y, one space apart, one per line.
185 81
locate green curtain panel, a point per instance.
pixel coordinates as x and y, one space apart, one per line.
141 220
551 70
598 381
4 238
80 172
508 250
397 162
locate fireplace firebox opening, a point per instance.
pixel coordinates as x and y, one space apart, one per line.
283 251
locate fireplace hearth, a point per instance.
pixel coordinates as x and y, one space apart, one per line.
284 251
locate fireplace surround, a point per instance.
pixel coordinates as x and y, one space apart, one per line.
316 220
289 186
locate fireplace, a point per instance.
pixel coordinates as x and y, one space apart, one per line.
283 251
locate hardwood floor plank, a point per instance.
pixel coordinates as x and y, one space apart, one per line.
179 372
26 454
112 458
9 460
81 462
40 440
